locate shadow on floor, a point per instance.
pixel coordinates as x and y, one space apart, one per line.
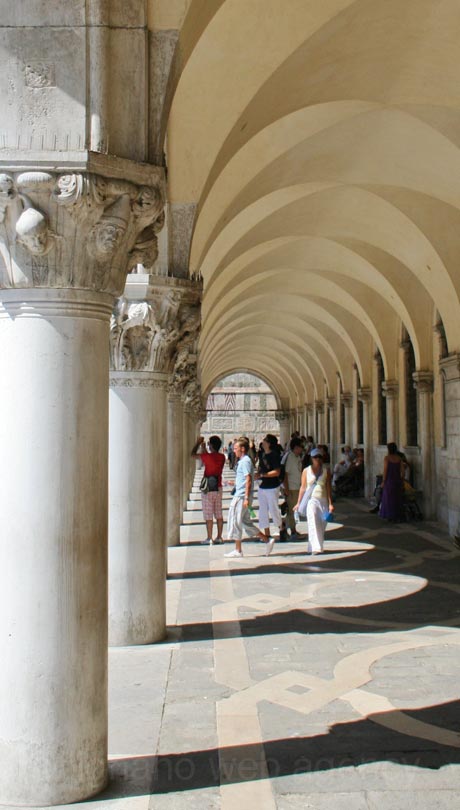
346 745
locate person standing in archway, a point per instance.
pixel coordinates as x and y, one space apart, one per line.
315 497
213 461
391 506
269 489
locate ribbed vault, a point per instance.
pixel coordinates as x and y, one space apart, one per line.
320 142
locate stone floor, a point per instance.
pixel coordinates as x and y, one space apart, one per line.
296 682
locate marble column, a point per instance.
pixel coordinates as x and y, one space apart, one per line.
423 382
147 327
331 416
390 390
65 240
309 420
365 396
284 423
174 486
320 438
347 402
137 513
450 370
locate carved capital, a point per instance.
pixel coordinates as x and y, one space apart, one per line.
158 332
319 406
450 367
423 381
282 416
346 399
390 389
309 408
192 398
331 403
365 395
81 230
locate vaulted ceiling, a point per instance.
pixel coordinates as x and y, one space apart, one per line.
319 141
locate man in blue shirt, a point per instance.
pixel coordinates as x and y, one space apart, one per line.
238 514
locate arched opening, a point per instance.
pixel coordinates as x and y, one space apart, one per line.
241 404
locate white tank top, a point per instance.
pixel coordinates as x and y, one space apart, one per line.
320 489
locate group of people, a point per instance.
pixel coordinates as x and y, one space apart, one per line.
302 472
301 469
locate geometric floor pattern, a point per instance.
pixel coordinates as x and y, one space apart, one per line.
295 681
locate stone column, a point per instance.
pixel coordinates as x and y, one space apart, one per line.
137 513
309 420
365 396
347 402
284 423
331 415
319 409
450 370
390 390
65 242
146 329
423 382
174 483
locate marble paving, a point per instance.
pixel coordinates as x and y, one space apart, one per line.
293 681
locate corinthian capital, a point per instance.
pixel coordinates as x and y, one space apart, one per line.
82 230
150 333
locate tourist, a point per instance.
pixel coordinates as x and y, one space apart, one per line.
238 514
344 464
269 489
230 455
316 487
291 482
213 461
391 506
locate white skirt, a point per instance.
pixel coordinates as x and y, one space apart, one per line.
316 524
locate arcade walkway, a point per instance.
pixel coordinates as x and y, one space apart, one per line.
292 682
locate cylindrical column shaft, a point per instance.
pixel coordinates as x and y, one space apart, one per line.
365 396
137 508
423 381
53 554
174 473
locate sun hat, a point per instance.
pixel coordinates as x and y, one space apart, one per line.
316 452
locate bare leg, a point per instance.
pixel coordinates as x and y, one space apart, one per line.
209 529
220 527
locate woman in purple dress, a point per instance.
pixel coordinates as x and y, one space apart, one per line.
391 507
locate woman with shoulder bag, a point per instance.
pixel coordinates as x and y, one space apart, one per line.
315 499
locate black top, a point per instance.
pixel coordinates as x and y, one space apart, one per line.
268 462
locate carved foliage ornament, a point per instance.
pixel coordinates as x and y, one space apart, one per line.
145 335
77 230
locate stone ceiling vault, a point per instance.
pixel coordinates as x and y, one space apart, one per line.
319 141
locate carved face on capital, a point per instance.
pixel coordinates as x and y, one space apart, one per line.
33 232
107 237
7 190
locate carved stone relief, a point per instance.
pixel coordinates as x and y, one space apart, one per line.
155 335
79 230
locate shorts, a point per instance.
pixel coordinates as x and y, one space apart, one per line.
212 505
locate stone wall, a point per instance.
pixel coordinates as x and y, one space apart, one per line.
241 405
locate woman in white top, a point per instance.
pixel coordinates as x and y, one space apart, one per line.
320 500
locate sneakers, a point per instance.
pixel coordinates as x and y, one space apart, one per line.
234 553
207 542
295 536
217 542
269 547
